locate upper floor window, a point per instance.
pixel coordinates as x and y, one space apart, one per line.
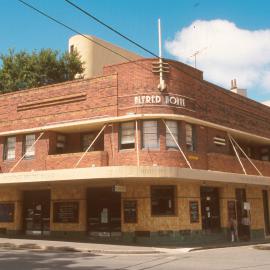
29 148
86 141
150 134
190 137
163 200
60 143
173 126
127 140
9 148
265 154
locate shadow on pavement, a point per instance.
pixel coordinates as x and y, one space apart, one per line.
45 260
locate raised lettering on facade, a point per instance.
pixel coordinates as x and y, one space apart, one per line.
162 100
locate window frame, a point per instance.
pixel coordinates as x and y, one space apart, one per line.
83 140
157 133
120 136
61 143
193 138
175 147
6 149
171 197
25 146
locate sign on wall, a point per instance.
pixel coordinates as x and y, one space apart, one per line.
194 211
160 99
118 188
7 212
130 211
66 212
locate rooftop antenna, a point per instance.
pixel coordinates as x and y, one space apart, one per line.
162 86
197 53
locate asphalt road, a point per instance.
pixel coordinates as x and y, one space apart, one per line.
237 258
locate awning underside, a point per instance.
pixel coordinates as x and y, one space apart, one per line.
131 173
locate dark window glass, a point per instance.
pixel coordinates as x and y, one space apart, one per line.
7 212
9 148
61 143
29 148
150 134
127 140
173 126
87 139
190 137
163 200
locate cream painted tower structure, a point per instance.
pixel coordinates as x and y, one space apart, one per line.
95 56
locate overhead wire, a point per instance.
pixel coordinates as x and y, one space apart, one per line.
111 28
136 43
117 32
98 43
125 37
79 33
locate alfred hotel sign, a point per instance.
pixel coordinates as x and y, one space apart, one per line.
160 100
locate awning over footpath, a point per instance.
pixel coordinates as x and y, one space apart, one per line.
129 173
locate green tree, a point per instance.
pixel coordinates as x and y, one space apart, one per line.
26 70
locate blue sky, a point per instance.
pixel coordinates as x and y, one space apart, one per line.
22 28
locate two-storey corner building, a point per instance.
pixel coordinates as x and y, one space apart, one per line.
112 156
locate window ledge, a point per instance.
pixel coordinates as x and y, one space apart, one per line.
9 160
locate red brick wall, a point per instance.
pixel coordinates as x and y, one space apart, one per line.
112 95
100 99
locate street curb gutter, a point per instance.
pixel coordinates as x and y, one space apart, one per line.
35 247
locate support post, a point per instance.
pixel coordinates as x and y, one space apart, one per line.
180 149
237 155
247 157
18 162
137 144
88 148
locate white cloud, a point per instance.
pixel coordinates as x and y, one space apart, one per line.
227 52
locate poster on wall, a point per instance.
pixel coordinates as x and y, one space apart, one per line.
66 212
194 211
7 212
130 211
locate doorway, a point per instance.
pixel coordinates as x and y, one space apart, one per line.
266 212
36 212
103 211
243 215
210 209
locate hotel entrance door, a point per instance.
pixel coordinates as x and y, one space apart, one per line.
210 209
36 212
103 211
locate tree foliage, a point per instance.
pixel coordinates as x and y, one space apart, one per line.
26 70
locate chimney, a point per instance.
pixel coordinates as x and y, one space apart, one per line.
236 90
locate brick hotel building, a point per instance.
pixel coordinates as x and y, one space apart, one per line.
113 157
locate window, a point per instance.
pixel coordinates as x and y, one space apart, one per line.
60 143
127 140
29 150
150 134
7 212
87 140
163 200
9 148
265 154
190 137
173 126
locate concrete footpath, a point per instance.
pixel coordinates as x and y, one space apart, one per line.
62 246
97 248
